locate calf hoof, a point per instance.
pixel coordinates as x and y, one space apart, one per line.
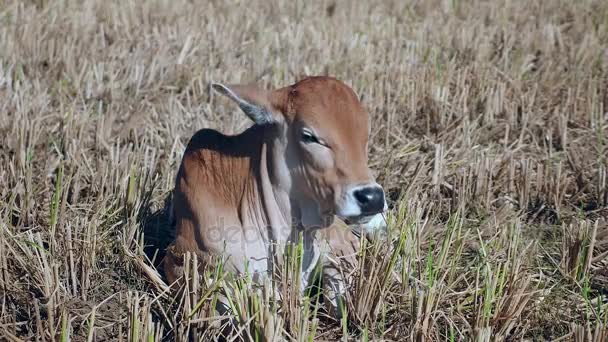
336 306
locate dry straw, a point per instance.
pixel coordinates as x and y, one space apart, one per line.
489 130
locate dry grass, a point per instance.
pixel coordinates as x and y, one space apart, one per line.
490 129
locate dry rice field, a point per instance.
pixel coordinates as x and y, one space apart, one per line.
489 133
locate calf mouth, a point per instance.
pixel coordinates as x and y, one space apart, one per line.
361 219
369 226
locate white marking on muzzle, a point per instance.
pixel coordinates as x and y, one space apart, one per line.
377 222
349 206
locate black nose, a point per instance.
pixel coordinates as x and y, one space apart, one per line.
370 199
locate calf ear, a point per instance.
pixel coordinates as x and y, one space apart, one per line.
253 101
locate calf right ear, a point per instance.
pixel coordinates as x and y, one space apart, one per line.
253 101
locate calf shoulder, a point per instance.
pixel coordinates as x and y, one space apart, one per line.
214 173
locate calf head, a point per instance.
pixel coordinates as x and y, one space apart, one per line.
319 149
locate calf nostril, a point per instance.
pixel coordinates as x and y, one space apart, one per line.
364 196
370 199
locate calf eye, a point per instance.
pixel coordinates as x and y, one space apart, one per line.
309 138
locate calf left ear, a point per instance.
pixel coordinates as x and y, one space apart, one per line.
253 101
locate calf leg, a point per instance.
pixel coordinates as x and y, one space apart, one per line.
310 260
334 290
339 248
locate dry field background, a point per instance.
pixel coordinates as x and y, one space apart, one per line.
489 131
